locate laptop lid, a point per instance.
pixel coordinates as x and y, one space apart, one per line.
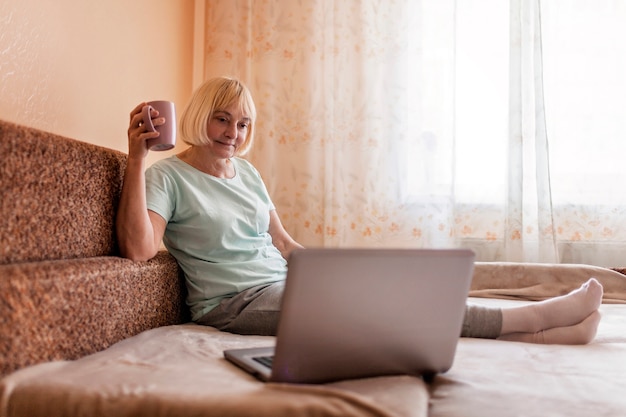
354 313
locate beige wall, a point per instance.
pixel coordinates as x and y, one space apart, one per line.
77 67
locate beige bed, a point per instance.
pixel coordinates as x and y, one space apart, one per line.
179 370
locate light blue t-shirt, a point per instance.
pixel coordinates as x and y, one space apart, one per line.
217 229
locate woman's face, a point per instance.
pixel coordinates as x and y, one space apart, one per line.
227 130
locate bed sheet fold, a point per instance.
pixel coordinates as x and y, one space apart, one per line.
180 371
533 281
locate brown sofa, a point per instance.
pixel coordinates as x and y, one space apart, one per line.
65 292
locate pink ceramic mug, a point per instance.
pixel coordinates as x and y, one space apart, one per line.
167 131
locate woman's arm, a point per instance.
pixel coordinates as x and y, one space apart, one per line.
139 231
280 238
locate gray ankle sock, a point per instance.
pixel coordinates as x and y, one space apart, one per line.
482 322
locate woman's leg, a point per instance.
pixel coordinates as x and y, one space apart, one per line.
569 319
482 322
564 311
578 334
252 311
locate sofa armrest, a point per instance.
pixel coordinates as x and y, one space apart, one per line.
67 309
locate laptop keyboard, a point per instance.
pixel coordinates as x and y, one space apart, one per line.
264 360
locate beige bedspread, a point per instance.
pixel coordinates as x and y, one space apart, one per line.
492 378
180 371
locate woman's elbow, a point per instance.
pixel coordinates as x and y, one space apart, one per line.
137 254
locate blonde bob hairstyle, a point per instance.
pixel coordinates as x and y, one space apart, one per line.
213 96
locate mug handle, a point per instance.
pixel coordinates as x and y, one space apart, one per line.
147 120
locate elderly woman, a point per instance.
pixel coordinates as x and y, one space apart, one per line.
214 214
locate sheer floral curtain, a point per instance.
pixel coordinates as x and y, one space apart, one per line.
529 232
435 123
584 48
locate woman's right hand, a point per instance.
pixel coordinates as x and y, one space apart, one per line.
137 133
139 230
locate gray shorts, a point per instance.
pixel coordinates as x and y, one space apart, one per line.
252 311
257 309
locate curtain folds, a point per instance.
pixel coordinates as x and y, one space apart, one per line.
431 123
530 232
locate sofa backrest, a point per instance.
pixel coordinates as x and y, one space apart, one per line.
58 196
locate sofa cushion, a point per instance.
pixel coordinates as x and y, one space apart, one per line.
66 309
58 196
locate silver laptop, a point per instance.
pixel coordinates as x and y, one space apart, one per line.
355 313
